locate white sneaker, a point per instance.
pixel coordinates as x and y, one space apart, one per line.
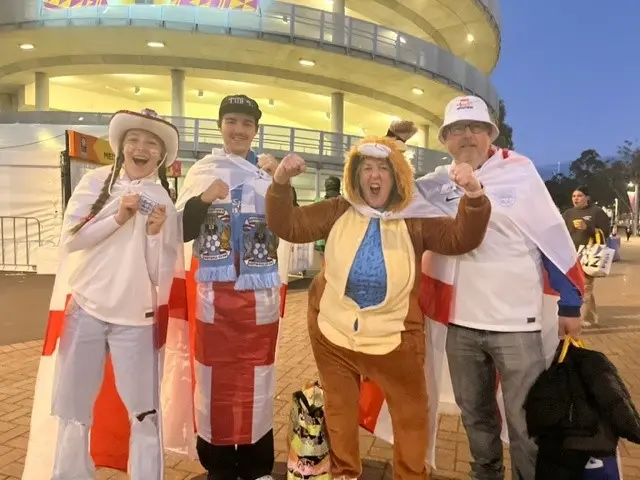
584 323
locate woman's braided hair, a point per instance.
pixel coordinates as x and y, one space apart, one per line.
104 194
162 175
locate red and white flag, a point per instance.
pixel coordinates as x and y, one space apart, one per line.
510 181
110 431
234 333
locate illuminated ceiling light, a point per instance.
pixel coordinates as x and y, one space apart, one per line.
470 37
155 44
81 119
417 91
200 94
306 63
27 46
402 40
272 102
136 90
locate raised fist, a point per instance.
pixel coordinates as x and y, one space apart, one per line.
129 205
216 191
268 163
462 174
156 219
290 166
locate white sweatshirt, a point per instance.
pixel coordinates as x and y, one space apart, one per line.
116 276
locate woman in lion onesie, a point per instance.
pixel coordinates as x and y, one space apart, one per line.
363 314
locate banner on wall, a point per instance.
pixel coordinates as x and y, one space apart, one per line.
89 148
243 5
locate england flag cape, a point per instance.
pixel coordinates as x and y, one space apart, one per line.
515 188
110 431
216 389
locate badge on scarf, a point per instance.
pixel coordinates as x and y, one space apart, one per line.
215 243
260 245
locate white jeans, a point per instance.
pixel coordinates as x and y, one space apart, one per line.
83 348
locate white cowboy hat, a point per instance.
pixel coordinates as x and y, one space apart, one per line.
148 120
467 109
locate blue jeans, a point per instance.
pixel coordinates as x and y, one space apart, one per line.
474 357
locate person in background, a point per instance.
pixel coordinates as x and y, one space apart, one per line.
582 220
331 190
628 232
332 187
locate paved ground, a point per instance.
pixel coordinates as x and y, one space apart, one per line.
21 325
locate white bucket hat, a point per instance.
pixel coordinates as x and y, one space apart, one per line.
467 109
148 120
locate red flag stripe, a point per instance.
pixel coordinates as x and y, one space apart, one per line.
110 432
370 404
435 299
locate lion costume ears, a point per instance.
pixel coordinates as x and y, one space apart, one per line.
402 131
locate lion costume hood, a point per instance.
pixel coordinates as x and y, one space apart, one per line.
381 148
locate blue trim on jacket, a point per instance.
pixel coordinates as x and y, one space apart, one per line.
570 297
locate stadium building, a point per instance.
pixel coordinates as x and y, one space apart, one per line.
324 72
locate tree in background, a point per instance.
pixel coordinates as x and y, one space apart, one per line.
606 178
560 187
505 139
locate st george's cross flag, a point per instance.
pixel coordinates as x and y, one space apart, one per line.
511 182
110 431
234 330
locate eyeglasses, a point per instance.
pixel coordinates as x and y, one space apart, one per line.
461 127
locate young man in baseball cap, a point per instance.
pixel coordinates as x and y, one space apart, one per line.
234 285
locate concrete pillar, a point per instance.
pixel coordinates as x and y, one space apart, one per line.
424 136
177 93
42 92
339 17
337 123
337 112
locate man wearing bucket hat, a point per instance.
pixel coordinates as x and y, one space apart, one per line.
234 284
98 387
502 330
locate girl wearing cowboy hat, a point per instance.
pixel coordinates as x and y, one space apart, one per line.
119 246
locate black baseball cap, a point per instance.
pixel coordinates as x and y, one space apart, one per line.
239 104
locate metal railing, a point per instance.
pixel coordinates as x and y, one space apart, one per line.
17 239
199 135
293 24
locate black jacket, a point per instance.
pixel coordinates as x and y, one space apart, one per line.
583 405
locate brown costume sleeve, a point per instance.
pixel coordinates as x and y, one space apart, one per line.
459 235
305 224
